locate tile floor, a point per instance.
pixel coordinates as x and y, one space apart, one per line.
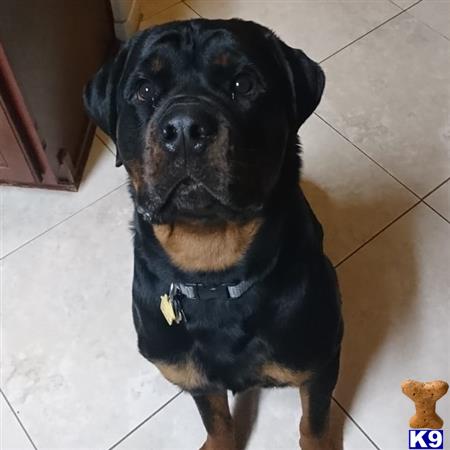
377 173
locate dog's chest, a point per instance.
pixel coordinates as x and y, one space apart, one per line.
226 346
226 351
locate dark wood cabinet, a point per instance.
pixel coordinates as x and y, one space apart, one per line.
14 166
48 50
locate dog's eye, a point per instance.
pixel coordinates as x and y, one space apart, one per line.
145 92
242 84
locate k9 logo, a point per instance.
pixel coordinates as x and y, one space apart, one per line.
426 439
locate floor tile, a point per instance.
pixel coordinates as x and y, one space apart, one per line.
388 93
151 7
352 197
176 12
12 436
440 200
28 212
319 28
70 364
396 313
404 3
178 425
435 13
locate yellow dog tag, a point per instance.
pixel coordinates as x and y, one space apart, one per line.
168 311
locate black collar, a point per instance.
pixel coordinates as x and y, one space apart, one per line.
200 291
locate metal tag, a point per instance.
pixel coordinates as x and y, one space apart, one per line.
171 307
167 309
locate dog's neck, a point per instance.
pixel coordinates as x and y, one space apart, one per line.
202 247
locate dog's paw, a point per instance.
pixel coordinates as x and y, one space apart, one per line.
218 445
310 443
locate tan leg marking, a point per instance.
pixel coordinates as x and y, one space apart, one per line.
195 247
185 374
284 376
308 440
218 422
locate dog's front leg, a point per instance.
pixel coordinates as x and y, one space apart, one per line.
316 398
217 420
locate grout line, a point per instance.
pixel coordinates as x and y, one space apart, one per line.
191 8
145 420
431 192
395 4
376 234
436 188
356 424
62 221
411 6
144 17
436 211
368 156
105 144
368 32
424 199
18 419
434 30
419 20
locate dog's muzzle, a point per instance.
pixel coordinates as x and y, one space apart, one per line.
187 126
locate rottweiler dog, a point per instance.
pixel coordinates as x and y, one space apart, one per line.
231 287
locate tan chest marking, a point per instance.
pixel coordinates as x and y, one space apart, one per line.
282 375
185 374
195 247
189 376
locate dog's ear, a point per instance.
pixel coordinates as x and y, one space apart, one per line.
100 95
308 81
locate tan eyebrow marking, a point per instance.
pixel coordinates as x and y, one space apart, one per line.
222 59
157 64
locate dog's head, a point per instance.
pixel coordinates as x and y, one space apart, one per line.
203 113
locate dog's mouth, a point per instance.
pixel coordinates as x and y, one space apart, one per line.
187 198
190 194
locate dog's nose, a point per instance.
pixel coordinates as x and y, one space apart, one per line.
190 131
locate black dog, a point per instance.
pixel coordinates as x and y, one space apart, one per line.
231 287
